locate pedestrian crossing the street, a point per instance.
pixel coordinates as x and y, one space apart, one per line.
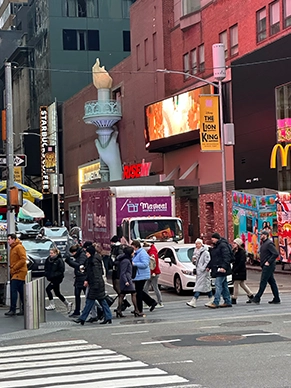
76 364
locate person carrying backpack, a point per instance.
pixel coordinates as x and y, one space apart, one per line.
155 273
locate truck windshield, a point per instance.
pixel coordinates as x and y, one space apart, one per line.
157 230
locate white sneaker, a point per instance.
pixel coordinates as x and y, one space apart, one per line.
69 307
192 303
159 305
50 307
210 302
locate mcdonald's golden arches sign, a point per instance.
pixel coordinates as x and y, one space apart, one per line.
283 151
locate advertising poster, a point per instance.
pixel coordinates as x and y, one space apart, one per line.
283 203
209 123
251 215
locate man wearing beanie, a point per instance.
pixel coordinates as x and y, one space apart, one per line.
268 256
221 257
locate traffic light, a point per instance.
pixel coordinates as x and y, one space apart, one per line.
62 203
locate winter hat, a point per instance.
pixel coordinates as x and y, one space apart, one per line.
238 241
216 235
114 239
87 244
198 240
265 232
91 250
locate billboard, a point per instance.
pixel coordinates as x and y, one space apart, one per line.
209 118
175 119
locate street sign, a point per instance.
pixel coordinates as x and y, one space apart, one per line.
19 161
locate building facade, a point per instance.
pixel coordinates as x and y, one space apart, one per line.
178 35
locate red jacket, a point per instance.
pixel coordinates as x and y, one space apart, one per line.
153 251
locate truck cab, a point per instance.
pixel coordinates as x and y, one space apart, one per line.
157 229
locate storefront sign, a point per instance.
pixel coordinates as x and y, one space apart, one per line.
44 142
209 123
88 173
283 153
18 174
50 159
136 170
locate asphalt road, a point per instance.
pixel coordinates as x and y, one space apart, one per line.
175 346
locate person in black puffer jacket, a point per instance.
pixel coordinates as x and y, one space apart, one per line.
221 257
95 282
54 270
239 271
79 258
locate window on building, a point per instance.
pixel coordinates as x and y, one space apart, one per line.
201 58
189 6
81 40
274 17
223 39
233 32
154 46
81 8
186 65
126 8
138 57
126 40
194 69
287 13
146 54
261 24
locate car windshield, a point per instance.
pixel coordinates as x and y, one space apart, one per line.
56 232
34 226
184 255
156 229
31 245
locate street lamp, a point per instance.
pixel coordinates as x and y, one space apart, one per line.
219 72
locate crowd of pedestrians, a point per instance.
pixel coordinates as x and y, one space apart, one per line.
135 269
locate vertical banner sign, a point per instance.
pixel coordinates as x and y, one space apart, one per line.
50 159
209 123
44 142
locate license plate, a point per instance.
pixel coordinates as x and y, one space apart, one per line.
41 267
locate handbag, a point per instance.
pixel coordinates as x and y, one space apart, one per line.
110 300
133 271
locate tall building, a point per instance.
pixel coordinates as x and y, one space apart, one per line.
8 10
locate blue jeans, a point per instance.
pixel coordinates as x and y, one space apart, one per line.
197 294
78 291
267 276
16 286
88 306
221 289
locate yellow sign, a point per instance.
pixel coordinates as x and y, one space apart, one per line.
209 124
18 174
283 153
88 173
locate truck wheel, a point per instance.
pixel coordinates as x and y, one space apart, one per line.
178 285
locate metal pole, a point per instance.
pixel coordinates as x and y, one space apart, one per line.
31 314
41 299
223 164
9 161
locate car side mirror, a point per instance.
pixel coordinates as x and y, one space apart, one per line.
168 260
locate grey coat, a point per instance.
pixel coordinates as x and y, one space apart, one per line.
203 282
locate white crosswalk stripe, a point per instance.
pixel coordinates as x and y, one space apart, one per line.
68 364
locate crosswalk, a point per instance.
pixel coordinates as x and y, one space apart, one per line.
76 364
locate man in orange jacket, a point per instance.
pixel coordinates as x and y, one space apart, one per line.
18 271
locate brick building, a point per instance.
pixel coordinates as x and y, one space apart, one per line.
178 35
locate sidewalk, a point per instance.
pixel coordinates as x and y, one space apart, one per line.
286 271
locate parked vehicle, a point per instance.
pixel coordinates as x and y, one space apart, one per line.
59 235
134 212
37 251
27 230
177 269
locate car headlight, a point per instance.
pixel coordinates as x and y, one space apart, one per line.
187 272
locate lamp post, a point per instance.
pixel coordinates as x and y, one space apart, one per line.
219 72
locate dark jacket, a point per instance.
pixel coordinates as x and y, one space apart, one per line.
239 271
75 262
221 257
125 274
54 268
94 276
268 252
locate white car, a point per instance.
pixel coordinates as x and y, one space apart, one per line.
177 269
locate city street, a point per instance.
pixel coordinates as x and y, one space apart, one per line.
175 346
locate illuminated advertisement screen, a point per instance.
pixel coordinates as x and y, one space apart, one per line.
174 120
